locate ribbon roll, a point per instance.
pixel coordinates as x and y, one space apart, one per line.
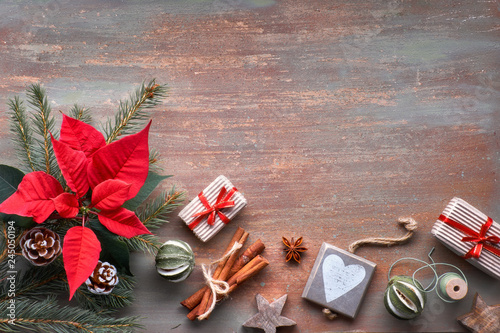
452 287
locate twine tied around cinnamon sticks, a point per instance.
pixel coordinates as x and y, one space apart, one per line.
230 269
218 287
410 225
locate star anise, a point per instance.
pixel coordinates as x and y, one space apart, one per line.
293 249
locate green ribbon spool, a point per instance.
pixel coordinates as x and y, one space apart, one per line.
452 287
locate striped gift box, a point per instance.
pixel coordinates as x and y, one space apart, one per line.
203 230
457 215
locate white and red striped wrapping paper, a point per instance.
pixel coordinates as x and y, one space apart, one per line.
463 213
203 230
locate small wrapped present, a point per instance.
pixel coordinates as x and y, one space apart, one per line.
471 234
213 208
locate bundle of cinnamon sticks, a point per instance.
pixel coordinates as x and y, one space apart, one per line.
234 270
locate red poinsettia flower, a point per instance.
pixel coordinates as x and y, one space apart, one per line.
114 172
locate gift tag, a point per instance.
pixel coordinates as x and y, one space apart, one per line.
338 280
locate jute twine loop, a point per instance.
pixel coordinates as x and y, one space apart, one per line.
410 225
217 287
329 314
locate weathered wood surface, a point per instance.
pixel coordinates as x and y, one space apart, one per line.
332 117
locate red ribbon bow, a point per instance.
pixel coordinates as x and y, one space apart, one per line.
223 201
479 238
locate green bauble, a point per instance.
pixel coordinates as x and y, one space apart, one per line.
175 260
403 298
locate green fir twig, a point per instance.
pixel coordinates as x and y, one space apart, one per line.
32 281
121 296
44 125
143 243
131 113
47 316
153 215
4 251
154 157
22 132
80 113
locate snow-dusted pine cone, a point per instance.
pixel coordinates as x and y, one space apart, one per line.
103 279
40 246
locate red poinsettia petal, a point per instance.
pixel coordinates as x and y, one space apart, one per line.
126 159
81 250
33 197
73 164
81 136
123 222
110 194
66 205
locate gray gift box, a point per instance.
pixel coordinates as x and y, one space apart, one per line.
339 280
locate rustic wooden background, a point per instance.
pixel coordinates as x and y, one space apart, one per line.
332 117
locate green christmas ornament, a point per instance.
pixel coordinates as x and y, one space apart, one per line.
404 297
175 260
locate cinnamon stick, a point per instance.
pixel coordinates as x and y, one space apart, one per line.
249 270
250 253
253 267
192 301
236 237
208 296
195 299
193 313
224 274
253 250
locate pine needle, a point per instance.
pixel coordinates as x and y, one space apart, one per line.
145 243
131 114
153 215
3 243
22 132
154 156
36 282
44 124
80 113
121 296
47 316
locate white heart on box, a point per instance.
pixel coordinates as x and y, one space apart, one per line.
339 278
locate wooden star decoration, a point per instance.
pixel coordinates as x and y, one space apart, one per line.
483 318
269 316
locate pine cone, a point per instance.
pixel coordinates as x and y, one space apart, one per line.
40 246
103 279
